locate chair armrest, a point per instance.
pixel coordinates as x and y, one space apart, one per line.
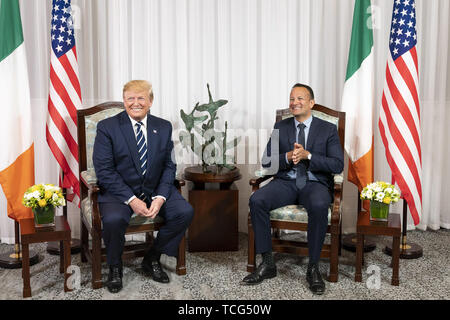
179 182
89 179
338 181
337 202
260 176
96 219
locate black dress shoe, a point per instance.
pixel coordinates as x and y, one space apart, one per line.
314 278
263 271
114 283
154 269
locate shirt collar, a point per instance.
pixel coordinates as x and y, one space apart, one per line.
307 122
144 122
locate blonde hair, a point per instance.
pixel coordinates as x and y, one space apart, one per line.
139 85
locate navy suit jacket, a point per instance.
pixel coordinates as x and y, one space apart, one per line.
323 143
116 160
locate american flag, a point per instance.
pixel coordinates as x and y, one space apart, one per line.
64 96
399 121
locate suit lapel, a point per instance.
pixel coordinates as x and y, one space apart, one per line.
130 138
313 131
153 140
292 132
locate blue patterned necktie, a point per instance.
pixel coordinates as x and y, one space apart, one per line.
142 148
300 179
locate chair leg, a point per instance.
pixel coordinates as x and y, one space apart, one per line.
181 260
149 237
84 241
96 261
251 247
276 233
334 258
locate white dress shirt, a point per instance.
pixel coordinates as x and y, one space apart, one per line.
144 132
293 172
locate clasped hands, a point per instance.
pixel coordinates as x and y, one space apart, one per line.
299 153
140 207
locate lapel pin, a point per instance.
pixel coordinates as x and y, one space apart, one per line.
154 131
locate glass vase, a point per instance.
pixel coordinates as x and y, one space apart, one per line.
379 211
44 217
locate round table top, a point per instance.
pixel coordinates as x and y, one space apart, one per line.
225 175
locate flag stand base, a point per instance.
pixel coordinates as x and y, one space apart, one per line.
349 243
13 260
53 247
408 251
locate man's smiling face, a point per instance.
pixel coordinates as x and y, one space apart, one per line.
137 104
300 103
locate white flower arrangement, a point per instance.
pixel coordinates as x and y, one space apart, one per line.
380 191
43 195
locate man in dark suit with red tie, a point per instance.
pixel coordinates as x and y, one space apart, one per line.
135 171
307 153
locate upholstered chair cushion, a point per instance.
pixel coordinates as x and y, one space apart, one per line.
91 130
86 205
86 209
294 213
89 176
318 114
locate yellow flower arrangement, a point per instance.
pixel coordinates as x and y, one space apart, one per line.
380 191
43 195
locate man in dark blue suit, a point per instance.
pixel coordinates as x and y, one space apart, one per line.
303 153
133 162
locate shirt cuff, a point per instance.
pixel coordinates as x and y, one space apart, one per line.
129 200
162 197
285 156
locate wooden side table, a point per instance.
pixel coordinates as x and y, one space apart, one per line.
215 223
384 228
30 234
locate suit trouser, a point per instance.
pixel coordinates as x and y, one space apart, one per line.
316 199
177 214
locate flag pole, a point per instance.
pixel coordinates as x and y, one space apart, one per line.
407 251
405 219
408 173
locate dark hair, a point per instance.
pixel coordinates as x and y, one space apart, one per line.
311 92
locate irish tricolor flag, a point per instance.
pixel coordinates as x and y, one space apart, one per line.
358 97
17 148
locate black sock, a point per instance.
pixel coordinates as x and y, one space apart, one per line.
312 264
118 265
267 258
154 255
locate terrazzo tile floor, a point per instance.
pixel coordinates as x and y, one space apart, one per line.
217 276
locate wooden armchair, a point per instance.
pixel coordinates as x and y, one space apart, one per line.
91 223
295 217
